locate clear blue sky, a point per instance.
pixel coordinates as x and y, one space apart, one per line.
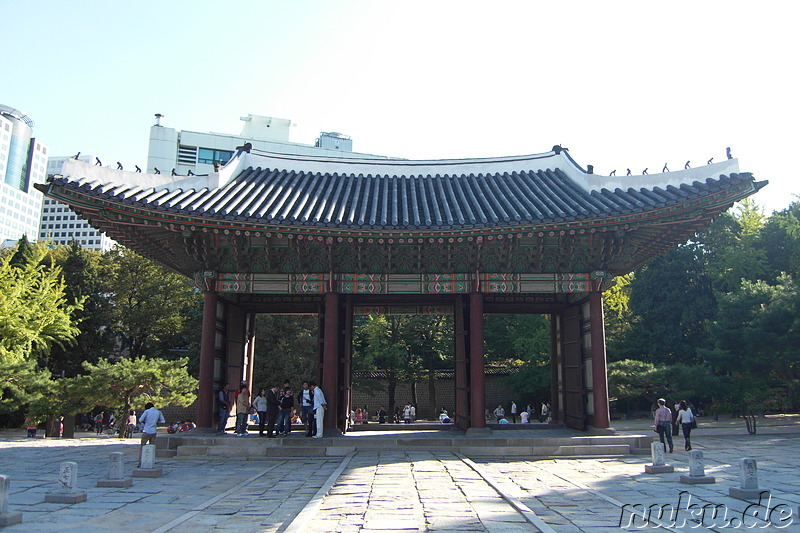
623 84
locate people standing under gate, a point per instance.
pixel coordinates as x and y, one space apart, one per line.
223 408
273 406
513 412
285 413
686 421
663 423
260 405
382 415
242 408
306 407
320 405
543 413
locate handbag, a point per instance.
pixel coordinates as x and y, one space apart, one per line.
693 423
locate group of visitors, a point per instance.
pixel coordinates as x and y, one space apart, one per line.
525 415
360 415
275 409
665 420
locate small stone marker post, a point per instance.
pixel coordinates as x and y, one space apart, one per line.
7 518
116 467
67 491
148 458
748 481
659 465
697 470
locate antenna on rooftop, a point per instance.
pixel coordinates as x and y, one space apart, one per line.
158 119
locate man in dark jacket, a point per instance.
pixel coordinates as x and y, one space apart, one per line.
273 405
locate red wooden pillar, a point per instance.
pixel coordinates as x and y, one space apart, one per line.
477 387
602 417
555 369
330 359
205 398
460 413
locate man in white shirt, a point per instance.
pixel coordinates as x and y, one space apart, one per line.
513 412
149 419
320 405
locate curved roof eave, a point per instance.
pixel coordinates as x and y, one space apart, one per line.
486 193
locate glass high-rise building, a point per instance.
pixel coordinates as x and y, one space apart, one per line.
23 163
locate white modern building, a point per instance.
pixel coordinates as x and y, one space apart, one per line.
23 163
191 151
184 151
60 225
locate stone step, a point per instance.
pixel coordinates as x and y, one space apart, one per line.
249 452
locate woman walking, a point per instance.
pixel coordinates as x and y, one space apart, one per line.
687 422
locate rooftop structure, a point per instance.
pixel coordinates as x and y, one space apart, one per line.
196 152
493 214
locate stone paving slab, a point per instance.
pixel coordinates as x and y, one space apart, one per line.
386 490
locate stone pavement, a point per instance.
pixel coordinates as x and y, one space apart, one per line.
407 490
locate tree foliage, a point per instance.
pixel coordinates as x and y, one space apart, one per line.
671 300
81 269
757 343
522 342
34 316
285 348
131 383
149 303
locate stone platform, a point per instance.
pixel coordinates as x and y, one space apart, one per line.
524 443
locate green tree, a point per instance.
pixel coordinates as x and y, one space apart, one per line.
34 316
730 247
780 241
131 383
671 301
521 342
82 276
618 315
149 303
757 344
430 342
286 347
380 344
630 381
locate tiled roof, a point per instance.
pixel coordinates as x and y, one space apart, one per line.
280 195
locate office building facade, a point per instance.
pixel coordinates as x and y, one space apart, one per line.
23 163
60 225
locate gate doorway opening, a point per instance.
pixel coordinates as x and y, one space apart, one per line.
412 344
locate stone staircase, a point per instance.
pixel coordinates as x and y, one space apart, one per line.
253 447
